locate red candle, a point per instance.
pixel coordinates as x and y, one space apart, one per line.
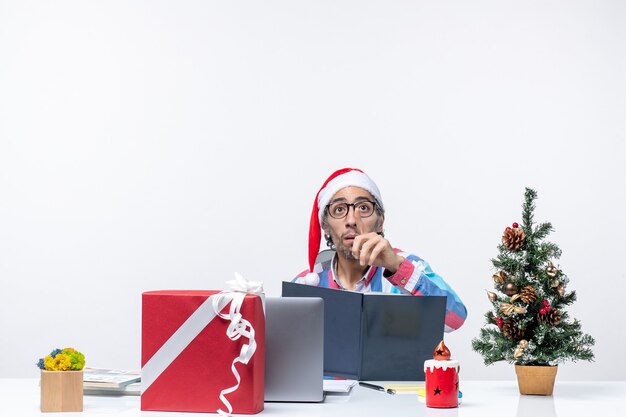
442 379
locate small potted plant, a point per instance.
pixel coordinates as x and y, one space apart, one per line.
529 325
62 380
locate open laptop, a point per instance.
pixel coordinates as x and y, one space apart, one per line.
294 349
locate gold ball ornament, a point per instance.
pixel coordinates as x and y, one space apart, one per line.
492 296
510 289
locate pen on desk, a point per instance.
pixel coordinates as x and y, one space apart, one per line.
377 387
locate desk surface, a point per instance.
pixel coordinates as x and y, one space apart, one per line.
20 397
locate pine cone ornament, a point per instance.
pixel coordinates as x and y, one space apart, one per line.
513 238
528 294
511 330
552 317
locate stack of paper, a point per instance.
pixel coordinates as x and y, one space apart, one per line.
338 385
111 382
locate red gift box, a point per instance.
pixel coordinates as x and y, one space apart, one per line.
186 355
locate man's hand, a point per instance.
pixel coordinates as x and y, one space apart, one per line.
373 249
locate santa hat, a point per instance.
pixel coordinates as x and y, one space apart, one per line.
338 180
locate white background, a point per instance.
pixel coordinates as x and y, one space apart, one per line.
166 144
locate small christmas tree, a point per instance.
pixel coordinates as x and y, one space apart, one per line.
530 324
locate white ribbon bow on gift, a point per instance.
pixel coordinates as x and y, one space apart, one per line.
240 284
238 327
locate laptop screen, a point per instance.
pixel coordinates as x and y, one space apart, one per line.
294 349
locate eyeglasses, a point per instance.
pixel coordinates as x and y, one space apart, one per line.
364 209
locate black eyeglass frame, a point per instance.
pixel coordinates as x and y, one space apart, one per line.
374 204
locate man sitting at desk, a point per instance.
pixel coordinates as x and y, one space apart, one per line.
349 209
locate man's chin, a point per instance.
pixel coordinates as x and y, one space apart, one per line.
347 253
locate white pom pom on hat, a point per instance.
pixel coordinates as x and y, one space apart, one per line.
311 279
338 180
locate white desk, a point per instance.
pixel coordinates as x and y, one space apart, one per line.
20 397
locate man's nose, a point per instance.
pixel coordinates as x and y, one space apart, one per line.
351 217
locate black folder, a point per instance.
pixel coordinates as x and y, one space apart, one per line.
375 336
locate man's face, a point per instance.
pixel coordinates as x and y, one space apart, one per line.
343 231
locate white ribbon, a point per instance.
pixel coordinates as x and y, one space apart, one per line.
198 320
238 327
